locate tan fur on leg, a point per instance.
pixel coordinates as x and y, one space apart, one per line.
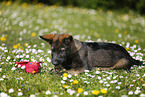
121 64
73 71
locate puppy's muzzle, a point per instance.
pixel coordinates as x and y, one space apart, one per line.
56 62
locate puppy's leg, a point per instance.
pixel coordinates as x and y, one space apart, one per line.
78 71
56 69
121 64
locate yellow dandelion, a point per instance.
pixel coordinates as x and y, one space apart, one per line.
75 82
127 48
33 34
24 5
98 69
13 52
3 39
117 30
65 75
71 84
141 80
15 46
103 91
95 92
9 3
80 90
65 86
136 41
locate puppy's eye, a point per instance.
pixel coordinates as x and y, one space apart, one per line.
62 49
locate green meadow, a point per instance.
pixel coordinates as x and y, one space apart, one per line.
20 28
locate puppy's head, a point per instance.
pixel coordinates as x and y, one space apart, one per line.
60 46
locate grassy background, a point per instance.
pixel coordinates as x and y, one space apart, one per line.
21 26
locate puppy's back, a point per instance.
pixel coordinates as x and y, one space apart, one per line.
107 54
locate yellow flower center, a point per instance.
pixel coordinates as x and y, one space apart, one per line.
65 75
15 46
65 86
103 91
141 80
136 41
33 34
127 48
3 39
80 90
75 82
95 92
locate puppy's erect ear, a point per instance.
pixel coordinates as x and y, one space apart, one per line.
48 38
68 40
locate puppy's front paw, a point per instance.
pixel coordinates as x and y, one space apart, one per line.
55 70
52 71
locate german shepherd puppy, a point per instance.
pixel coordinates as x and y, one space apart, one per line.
76 56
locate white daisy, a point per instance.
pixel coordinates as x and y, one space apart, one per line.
47 92
11 90
20 93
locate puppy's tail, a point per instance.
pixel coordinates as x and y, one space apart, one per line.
137 62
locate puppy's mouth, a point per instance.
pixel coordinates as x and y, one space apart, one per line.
56 63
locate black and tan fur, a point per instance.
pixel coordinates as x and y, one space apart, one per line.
76 56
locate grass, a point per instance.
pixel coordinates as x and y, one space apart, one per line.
20 26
